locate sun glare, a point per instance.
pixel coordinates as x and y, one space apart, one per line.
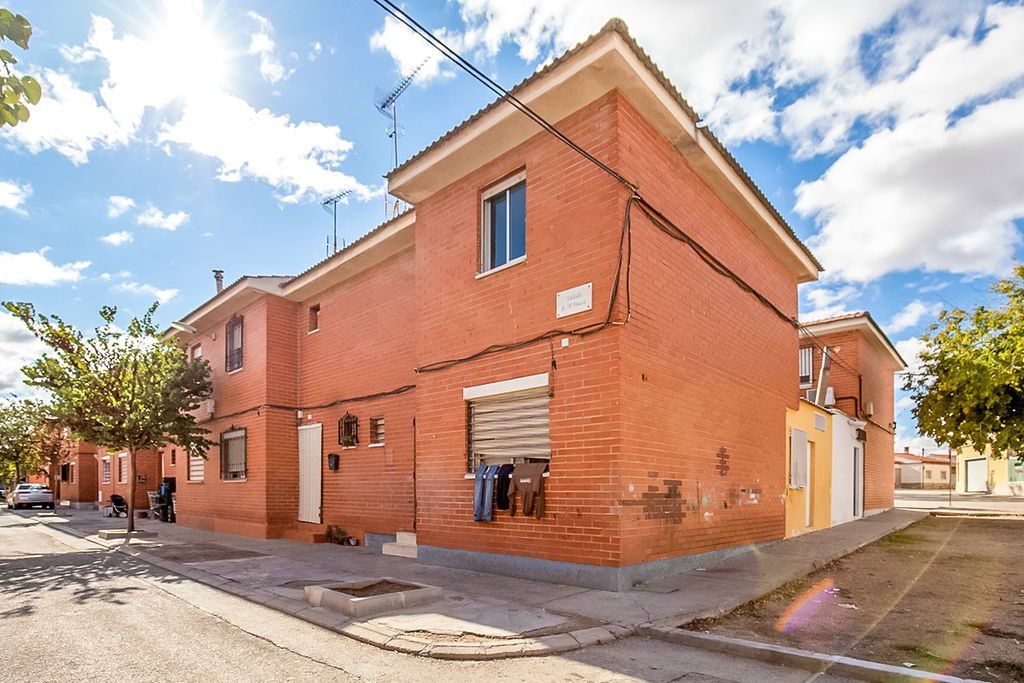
191 56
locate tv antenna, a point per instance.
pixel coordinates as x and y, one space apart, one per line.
332 202
386 104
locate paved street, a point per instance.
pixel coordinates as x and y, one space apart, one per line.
966 503
70 610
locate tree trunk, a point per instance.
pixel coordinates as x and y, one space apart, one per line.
131 489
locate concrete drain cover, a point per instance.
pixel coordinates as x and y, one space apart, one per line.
370 597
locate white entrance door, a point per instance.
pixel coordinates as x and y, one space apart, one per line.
977 481
310 469
858 482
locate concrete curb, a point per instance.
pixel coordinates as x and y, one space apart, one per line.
793 657
377 635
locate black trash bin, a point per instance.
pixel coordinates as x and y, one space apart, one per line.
167 489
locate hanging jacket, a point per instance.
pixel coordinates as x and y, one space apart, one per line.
503 479
483 493
528 481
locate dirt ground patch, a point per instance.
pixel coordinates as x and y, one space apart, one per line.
190 553
946 594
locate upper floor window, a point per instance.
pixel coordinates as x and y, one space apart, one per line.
233 344
122 469
314 318
196 352
806 366
503 238
106 470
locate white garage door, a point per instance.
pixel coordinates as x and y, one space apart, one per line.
976 476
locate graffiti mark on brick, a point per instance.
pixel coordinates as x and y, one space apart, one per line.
662 501
723 461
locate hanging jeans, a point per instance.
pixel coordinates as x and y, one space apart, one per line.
483 493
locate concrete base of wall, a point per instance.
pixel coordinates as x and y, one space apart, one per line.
226 526
78 505
572 573
375 541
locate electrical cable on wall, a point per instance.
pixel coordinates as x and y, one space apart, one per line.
322 406
659 219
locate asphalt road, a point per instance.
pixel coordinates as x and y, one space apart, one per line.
70 610
965 503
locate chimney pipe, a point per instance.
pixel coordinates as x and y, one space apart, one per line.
218 277
906 449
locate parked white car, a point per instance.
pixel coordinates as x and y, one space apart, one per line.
30 495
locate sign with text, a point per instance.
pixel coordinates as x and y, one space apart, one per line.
576 300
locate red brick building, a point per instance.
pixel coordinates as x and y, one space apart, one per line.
112 472
860 377
79 476
514 316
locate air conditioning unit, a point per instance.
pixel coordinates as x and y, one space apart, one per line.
811 395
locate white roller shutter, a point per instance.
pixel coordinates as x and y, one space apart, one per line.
509 428
798 458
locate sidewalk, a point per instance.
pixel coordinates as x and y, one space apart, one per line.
970 504
481 616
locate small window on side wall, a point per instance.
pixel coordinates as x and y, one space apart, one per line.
314 318
196 352
376 431
233 345
232 455
348 431
503 238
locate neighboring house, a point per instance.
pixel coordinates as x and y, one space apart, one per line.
113 476
79 476
923 471
365 392
977 473
842 432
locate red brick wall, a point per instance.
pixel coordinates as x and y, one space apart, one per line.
705 367
364 347
572 217
86 478
147 465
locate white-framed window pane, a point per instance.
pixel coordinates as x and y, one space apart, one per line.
106 470
806 365
377 430
504 216
509 428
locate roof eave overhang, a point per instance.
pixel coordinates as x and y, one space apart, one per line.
391 239
236 297
866 325
607 64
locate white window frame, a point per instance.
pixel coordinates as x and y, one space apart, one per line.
123 457
106 470
381 434
234 434
196 352
810 370
485 225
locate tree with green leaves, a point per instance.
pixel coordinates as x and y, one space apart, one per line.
969 386
19 455
16 92
127 389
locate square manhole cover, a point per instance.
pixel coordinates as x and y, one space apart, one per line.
201 552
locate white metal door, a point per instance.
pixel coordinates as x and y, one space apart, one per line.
310 469
977 481
858 482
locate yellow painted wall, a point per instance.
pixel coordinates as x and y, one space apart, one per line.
820 475
998 472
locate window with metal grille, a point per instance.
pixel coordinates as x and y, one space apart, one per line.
504 223
106 470
122 469
509 428
806 366
233 344
348 430
196 469
232 454
71 473
376 431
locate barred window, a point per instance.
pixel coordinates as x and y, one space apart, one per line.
376 431
509 428
232 454
106 470
233 344
71 473
348 430
122 469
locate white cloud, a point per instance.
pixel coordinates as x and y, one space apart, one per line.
118 205
13 195
18 347
262 43
924 195
911 315
155 218
314 51
300 159
67 120
116 239
910 350
161 295
411 52
34 268
825 301
905 403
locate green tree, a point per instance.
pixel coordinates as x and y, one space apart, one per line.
19 455
127 389
16 92
969 387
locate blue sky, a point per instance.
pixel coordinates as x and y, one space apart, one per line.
173 139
